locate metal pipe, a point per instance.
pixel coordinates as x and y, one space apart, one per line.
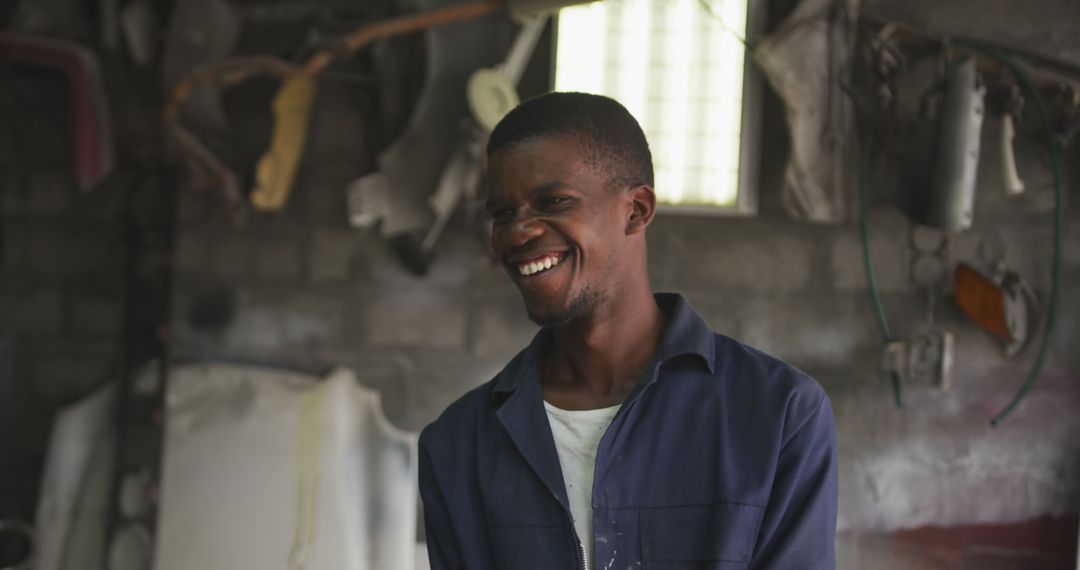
952 182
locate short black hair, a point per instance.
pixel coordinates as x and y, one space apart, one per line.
613 140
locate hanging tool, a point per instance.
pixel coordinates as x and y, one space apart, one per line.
926 358
276 170
1005 99
491 94
1000 303
952 179
208 167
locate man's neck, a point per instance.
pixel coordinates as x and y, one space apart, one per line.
596 361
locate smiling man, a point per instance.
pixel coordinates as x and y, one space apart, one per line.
627 434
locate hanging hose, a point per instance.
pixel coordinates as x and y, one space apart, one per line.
871 276
1059 218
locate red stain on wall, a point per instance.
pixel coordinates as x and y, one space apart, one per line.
1045 543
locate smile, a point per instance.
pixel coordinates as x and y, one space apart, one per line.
538 265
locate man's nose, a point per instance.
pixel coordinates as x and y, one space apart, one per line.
523 230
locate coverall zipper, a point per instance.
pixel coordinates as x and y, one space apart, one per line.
583 564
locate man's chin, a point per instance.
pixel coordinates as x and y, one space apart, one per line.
550 318
580 306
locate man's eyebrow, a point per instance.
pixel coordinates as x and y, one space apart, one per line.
548 187
544 188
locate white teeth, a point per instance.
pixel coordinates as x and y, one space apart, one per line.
538 266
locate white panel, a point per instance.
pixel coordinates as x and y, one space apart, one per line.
270 470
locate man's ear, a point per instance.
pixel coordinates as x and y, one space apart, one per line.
643 202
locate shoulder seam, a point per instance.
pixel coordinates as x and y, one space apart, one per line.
817 410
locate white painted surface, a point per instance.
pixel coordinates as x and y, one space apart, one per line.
239 484
77 467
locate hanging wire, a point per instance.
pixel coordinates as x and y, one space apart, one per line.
868 261
1059 218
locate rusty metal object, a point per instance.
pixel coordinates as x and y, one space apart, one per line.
396 27
208 169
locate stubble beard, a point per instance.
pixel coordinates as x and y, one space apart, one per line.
582 304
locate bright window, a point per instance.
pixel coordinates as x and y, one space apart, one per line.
679 70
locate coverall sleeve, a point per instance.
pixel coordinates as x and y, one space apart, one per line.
441 542
798 529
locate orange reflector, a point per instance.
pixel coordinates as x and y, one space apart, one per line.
982 300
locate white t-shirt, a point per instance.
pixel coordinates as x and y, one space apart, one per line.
577 435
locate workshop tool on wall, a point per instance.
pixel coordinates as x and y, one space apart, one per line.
951 187
491 94
208 167
1005 101
91 129
926 358
430 134
1013 110
1013 184
276 170
1000 303
1032 93
395 196
991 301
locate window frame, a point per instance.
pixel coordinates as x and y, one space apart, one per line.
746 198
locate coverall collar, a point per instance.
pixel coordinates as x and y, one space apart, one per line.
686 334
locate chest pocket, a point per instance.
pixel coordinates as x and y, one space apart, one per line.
700 537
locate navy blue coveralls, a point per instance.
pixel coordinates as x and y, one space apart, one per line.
721 458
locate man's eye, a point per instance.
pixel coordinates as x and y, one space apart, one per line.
554 202
501 215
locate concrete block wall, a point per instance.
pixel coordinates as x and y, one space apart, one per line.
62 263
310 293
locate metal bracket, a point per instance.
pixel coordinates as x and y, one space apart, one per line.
926 359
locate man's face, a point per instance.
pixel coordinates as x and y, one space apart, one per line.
556 227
